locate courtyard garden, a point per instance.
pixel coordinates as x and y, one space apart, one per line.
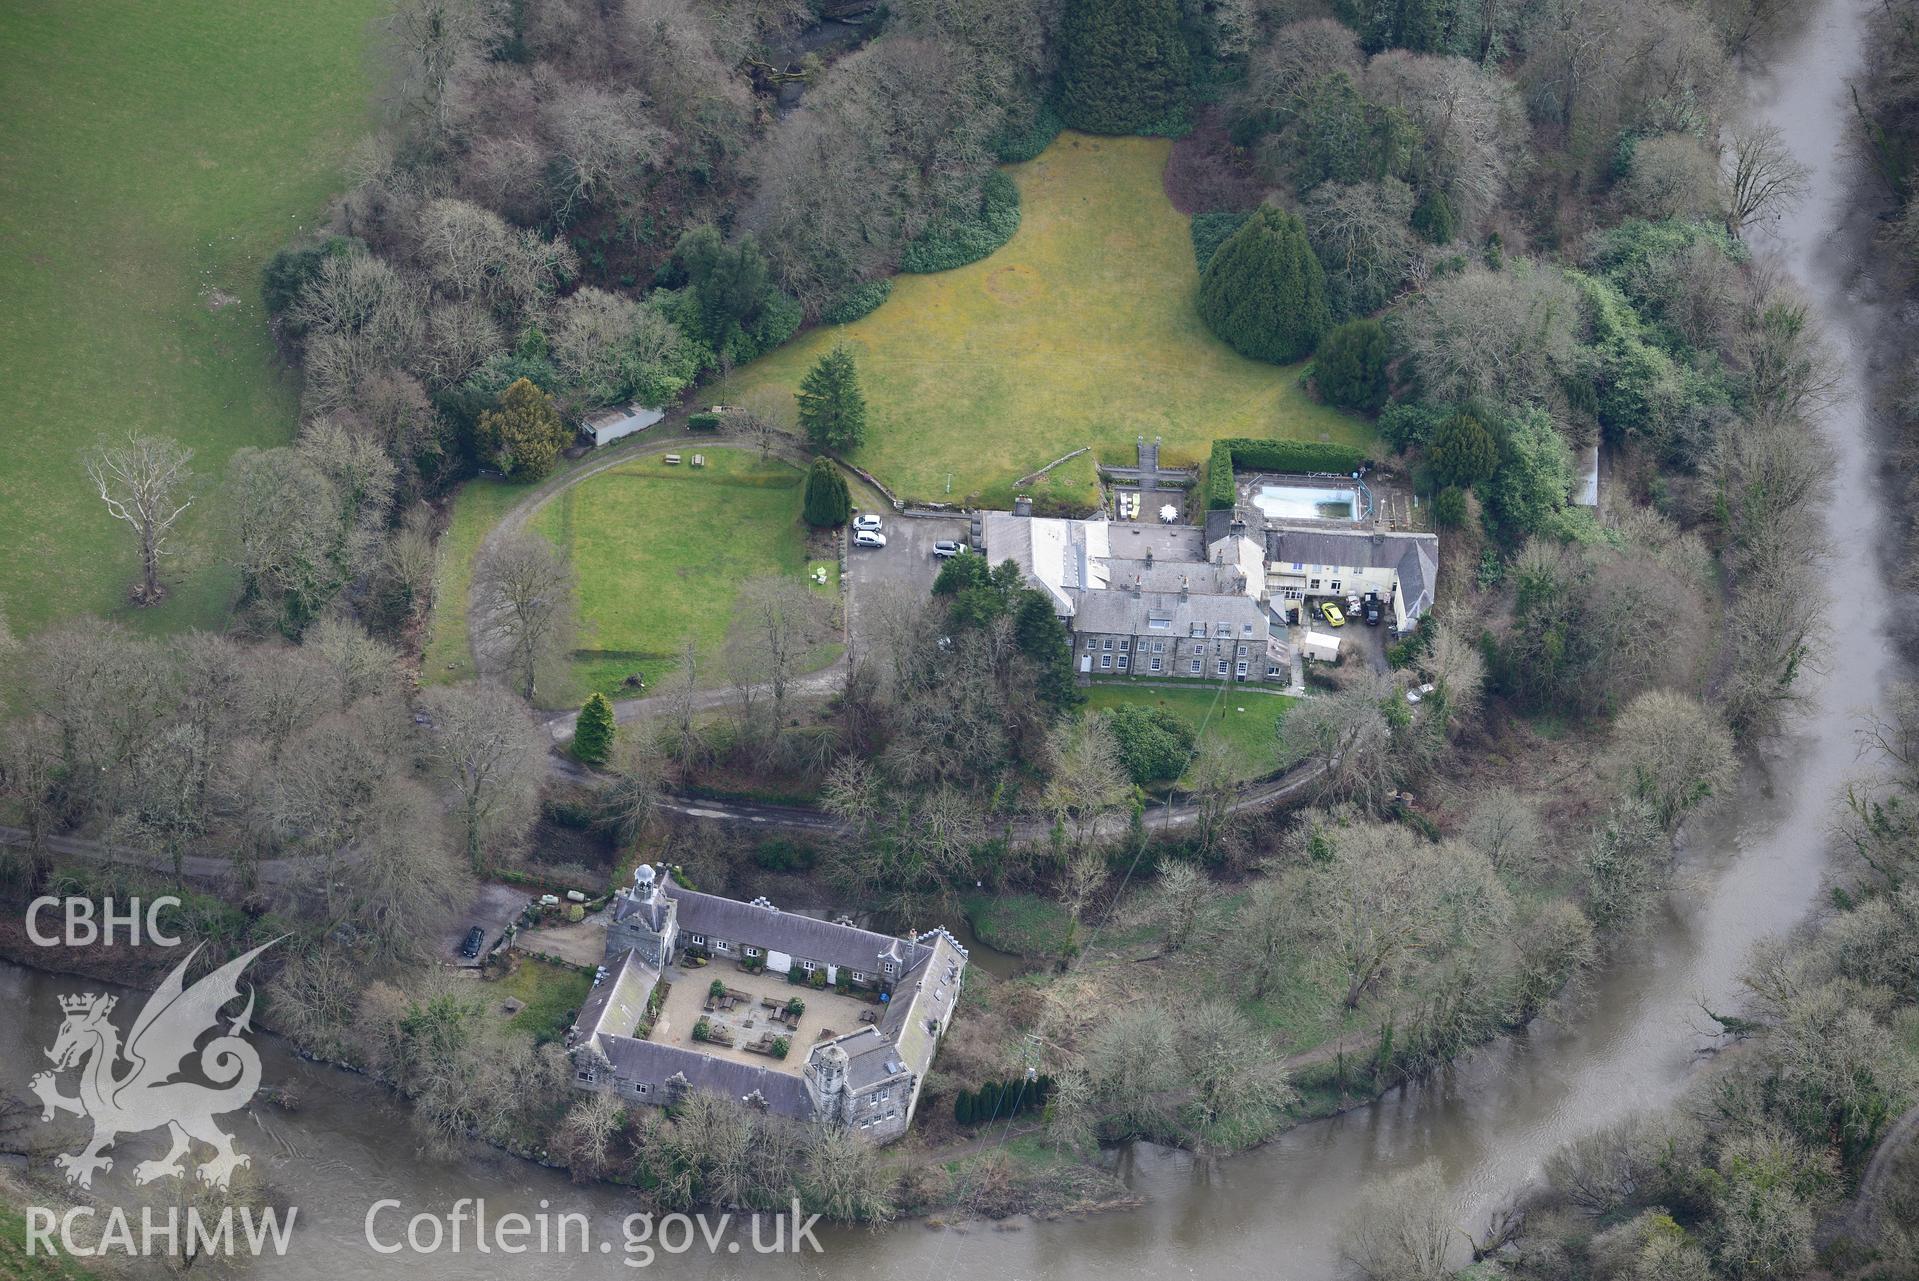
154 156
1080 331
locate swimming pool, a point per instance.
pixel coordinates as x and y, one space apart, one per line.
1305 502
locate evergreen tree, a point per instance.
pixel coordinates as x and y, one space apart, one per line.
828 501
963 1107
832 408
525 434
593 732
1464 453
1264 293
1043 638
1434 218
1350 369
1124 65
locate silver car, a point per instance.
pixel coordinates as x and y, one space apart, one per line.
869 538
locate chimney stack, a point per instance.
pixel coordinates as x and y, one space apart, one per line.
1182 586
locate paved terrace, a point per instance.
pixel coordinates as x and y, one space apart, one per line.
827 1014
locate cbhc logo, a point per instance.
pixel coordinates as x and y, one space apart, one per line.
86 926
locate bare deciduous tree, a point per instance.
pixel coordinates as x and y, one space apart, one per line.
777 623
1763 179
147 482
493 755
525 609
1403 1227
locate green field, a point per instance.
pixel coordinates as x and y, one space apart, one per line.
1080 331
151 157
1244 721
661 552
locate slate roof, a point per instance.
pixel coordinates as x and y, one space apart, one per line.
763 925
1124 612
655 1064
615 1006
934 991
1415 557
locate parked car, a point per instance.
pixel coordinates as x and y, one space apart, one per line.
946 548
475 940
1371 608
1352 605
1330 612
867 522
869 538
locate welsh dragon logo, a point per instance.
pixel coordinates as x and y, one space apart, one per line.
133 1089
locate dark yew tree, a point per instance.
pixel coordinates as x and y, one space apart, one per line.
1264 293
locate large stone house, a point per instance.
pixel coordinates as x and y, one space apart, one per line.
1206 602
867 1079
1148 600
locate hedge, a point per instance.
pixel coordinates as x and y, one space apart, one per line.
1016 145
859 301
948 242
703 421
1272 455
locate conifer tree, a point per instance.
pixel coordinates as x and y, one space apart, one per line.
1124 65
594 731
525 434
832 408
1264 293
828 501
1350 369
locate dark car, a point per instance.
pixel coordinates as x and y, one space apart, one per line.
1371 609
475 940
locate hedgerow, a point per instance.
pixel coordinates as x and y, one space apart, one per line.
948 243
859 301
1275 456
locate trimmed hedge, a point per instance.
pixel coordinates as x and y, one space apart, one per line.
859 301
948 242
703 421
1272 455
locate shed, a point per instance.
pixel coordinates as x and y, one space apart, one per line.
610 425
1319 645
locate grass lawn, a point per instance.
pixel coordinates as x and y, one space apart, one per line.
152 156
17 1265
1250 736
1080 331
1019 924
661 552
479 505
552 995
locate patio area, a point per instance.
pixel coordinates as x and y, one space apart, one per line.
753 1014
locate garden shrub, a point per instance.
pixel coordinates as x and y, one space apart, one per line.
1211 230
1017 143
1154 744
861 300
954 242
1406 424
1449 507
1297 456
703 421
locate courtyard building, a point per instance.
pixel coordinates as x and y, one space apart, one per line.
817 1020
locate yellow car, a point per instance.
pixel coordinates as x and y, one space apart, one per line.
1330 612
